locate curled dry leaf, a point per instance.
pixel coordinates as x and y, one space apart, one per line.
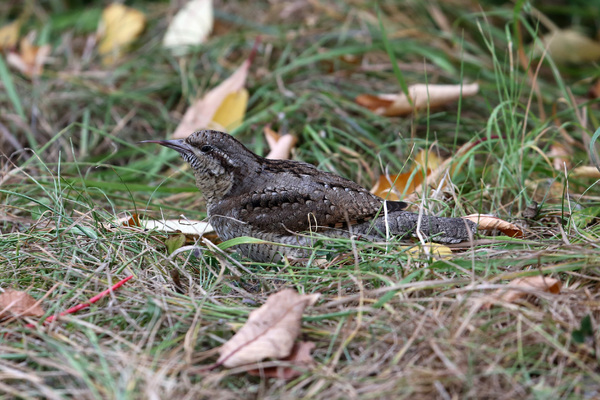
185 226
490 223
586 172
270 331
190 26
30 59
119 26
299 359
280 145
9 35
422 95
222 108
569 46
18 304
521 287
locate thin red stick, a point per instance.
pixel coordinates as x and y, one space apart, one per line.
91 301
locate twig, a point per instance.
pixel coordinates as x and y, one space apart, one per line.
91 301
86 304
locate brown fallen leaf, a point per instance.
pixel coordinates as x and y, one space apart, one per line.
30 59
133 220
222 108
422 95
299 359
391 187
9 35
586 172
119 26
490 223
280 145
521 287
270 331
14 303
436 177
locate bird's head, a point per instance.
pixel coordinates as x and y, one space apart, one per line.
216 158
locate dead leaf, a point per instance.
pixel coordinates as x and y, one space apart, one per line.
14 303
390 187
9 35
434 178
185 226
119 27
439 250
174 242
422 95
182 225
560 155
299 358
30 59
521 287
231 112
190 26
567 46
280 145
222 108
490 223
270 331
586 172
133 220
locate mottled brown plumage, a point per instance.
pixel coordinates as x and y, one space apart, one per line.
273 200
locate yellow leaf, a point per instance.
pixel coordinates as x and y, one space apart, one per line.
438 250
119 26
9 34
232 110
428 159
202 114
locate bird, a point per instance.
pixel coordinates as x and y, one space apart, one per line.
289 204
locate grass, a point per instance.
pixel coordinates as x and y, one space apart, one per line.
390 324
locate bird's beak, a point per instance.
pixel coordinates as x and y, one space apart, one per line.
179 144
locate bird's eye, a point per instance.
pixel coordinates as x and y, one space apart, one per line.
206 148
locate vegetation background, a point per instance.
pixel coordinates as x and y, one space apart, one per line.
391 323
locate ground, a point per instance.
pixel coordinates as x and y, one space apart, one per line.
390 322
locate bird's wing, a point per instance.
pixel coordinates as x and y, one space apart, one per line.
306 207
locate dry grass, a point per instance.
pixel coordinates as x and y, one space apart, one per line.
389 324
